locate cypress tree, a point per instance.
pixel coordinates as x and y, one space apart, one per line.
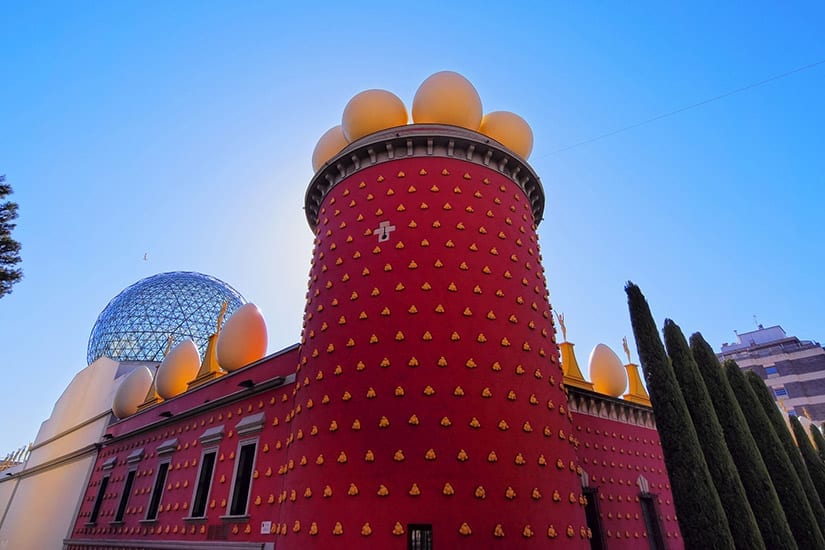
766 400
701 518
819 441
764 501
815 466
723 471
785 479
765 396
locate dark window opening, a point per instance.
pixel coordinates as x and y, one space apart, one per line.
654 531
204 482
124 498
99 499
157 491
419 537
594 520
243 478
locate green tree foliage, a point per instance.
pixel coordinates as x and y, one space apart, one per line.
742 522
702 520
815 466
764 501
819 441
785 479
9 248
778 422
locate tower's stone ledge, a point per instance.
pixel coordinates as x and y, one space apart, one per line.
423 140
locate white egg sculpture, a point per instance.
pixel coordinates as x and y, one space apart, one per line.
178 368
243 338
607 371
132 392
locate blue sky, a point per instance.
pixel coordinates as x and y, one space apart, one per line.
185 129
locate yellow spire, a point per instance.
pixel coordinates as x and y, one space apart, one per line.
210 368
152 396
570 367
636 391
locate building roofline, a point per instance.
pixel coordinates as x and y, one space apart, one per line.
423 140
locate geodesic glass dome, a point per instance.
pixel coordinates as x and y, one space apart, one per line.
137 323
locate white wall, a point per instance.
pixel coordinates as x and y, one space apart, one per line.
40 512
44 507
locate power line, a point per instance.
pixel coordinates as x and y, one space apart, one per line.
687 108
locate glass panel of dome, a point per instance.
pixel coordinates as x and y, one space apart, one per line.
137 323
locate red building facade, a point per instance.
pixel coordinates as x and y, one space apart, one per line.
425 405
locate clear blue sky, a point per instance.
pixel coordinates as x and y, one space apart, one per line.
185 129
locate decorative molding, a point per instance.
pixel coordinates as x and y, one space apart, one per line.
89 450
167 447
137 454
87 544
251 424
212 435
598 405
194 411
52 439
585 478
423 140
644 485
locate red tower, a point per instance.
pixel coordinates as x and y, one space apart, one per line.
429 400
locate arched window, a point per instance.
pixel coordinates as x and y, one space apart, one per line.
591 511
647 501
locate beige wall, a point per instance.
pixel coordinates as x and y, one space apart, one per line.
7 485
44 506
39 503
89 393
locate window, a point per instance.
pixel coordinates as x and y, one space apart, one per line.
654 531
780 392
243 479
594 522
204 484
99 499
157 492
419 537
770 371
124 498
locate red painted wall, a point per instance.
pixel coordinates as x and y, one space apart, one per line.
614 454
428 391
447 322
148 430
